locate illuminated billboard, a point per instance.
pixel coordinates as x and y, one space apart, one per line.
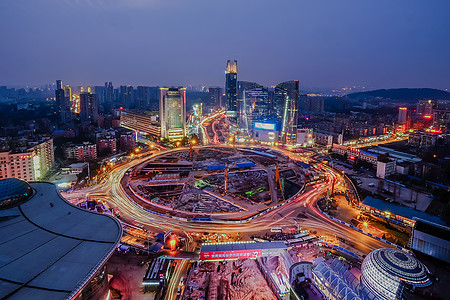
232 254
265 126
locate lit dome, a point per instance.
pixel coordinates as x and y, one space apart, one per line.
384 271
14 192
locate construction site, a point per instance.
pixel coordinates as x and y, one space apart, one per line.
215 181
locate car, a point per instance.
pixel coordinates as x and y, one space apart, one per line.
371 184
389 200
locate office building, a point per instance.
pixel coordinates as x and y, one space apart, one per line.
122 94
215 96
100 92
425 107
109 93
257 106
432 239
88 108
385 166
172 113
51 248
285 108
140 123
231 88
311 103
63 102
142 97
129 99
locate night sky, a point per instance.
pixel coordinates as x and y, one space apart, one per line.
324 44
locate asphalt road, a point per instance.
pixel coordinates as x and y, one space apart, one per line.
303 210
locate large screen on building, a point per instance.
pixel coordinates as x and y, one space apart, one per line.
235 254
266 126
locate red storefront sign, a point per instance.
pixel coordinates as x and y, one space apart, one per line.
236 254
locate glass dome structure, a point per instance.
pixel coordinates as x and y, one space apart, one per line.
14 192
385 271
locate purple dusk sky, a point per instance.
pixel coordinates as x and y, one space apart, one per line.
323 44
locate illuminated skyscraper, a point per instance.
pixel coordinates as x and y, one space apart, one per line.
285 107
172 113
257 106
231 87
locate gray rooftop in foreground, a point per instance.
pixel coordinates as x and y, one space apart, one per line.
51 252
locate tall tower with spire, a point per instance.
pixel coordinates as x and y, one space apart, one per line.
231 86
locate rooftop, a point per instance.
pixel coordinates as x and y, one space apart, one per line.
400 210
50 248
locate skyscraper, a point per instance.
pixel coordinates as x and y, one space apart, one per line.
172 113
285 107
129 98
231 87
122 94
257 106
142 97
88 108
109 92
63 103
242 115
214 96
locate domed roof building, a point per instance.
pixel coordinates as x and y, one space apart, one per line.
386 271
14 192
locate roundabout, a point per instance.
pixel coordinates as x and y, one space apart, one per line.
215 183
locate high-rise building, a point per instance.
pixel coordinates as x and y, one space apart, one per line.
425 107
141 123
122 96
88 108
285 108
109 92
311 103
231 87
257 106
142 97
172 113
129 100
63 103
30 162
402 115
82 152
215 96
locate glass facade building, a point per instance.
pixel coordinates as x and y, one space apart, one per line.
285 109
172 113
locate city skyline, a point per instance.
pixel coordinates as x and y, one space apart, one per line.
322 46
